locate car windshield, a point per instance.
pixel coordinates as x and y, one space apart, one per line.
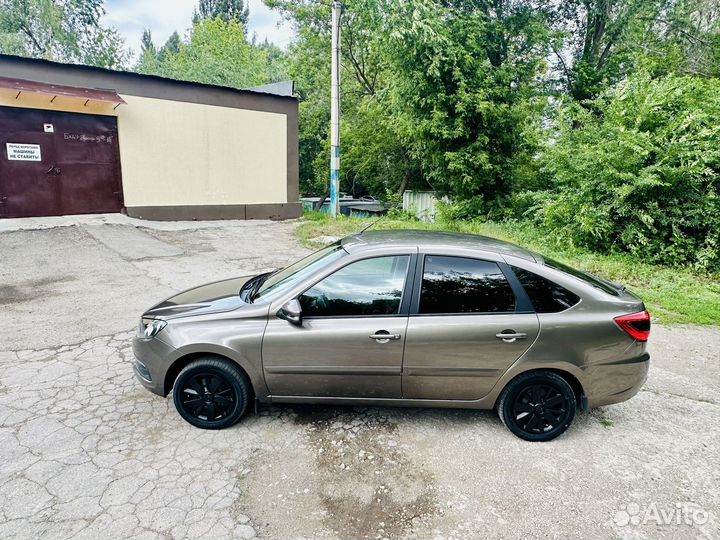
297 272
587 277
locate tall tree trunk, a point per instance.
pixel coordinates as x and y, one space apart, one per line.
323 198
404 183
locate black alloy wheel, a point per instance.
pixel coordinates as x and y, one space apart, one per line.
537 406
208 396
211 393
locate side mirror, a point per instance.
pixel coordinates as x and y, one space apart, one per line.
291 312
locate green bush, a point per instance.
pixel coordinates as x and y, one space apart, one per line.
643 177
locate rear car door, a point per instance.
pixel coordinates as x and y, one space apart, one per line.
469 321
351 340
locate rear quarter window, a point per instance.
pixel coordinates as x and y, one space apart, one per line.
546 296
587 277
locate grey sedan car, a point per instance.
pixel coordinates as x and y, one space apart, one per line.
408 318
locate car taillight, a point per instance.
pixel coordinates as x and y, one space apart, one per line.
637 325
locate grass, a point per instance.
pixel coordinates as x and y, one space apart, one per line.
672 295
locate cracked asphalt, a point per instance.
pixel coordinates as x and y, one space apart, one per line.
86 452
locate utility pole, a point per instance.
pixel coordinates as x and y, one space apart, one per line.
335 112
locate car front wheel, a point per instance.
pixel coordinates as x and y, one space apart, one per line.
537 406
211 393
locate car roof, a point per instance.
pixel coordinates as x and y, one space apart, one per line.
421 238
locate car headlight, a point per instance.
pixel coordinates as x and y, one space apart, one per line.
149 328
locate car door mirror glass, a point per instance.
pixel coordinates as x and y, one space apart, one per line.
291 312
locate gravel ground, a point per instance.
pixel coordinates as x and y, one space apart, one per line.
86 452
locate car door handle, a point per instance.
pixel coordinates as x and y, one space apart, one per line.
384 337
510 337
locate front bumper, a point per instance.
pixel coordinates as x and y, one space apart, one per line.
153 358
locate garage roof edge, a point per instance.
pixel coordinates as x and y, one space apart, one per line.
44 70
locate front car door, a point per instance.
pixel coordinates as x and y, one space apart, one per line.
470 320
351 340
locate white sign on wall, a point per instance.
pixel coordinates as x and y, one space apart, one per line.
23 152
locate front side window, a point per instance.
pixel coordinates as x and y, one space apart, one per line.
460 285
294 274
363 288
545 295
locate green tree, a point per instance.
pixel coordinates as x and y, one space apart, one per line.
685 39
435 94
308 64
644 176
276 61
596 40
463 93
216 53
149 60
227 10
172 46
61 30
146 43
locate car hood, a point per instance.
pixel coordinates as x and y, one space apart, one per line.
216 297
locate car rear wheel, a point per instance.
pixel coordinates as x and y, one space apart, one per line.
211 393
537 406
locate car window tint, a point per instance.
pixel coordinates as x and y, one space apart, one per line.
587 277
545 295
367 287
292 275
459 285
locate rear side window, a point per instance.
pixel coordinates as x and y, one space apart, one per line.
546 296
460 285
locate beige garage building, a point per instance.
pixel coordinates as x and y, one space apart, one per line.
78 139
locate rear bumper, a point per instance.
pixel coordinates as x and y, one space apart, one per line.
152 359
618 381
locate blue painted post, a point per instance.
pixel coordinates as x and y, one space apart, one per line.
335 113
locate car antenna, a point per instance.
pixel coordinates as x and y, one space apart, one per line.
378 220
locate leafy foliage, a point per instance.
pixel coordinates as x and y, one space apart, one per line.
60 30
597 40
463 93
453 94
644 177
216 53
227 10
434 94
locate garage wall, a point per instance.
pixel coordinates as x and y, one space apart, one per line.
188 150
178 153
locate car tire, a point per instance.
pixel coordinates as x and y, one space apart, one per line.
211 393
537 406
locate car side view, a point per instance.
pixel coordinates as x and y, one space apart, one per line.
401 318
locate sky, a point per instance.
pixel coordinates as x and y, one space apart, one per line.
162 17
